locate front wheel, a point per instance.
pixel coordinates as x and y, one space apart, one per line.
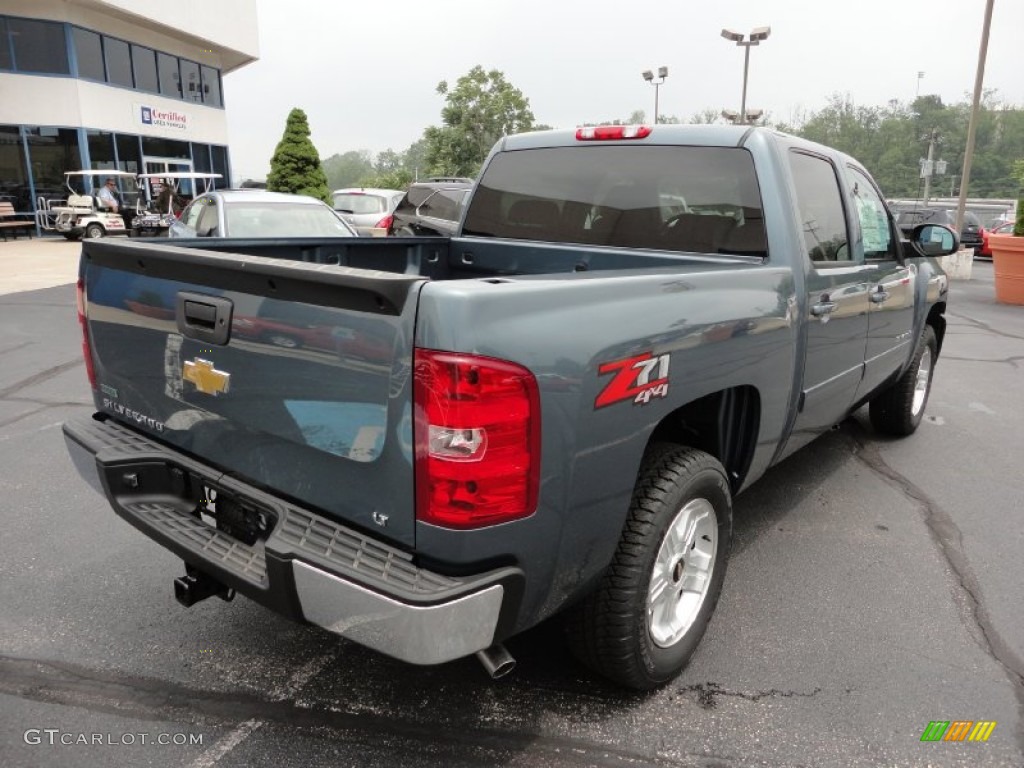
898 409
93 231
645 619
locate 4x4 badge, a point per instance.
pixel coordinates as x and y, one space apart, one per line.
206 378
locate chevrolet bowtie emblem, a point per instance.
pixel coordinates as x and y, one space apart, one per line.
207 379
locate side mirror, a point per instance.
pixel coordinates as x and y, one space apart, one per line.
934 240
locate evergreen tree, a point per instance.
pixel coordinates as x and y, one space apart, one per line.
295 166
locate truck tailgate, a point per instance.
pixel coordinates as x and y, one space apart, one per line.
291 376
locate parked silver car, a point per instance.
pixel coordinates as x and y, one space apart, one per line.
367 209
255 213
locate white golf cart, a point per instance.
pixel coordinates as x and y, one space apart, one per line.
155 210
83 213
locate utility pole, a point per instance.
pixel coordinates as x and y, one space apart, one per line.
929 165
979 79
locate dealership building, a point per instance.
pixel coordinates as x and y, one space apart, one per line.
132 85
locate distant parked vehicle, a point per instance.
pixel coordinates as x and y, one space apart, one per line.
255 213
153 218
431 208
368 211
910 215
985 251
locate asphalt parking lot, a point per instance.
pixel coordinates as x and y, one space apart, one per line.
875 586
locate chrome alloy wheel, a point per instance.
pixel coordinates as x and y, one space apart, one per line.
682 572
924 372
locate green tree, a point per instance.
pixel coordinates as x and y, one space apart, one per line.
295 166
345 170
479 110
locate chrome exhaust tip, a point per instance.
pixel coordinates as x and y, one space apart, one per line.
496 660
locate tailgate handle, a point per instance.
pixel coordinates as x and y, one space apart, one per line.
204 318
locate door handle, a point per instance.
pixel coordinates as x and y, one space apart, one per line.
204 318
880 296
823 307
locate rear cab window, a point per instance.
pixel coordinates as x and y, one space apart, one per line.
356 202
674 198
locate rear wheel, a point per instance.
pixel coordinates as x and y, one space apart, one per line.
898 410
93 231
648 614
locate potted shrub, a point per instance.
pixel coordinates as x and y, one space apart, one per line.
1008 255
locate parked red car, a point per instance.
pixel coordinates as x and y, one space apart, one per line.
986 250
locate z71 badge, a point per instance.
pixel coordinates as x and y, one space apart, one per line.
637 378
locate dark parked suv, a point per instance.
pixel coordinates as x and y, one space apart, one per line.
908 217
431 207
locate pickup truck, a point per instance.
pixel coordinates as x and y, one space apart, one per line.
550 412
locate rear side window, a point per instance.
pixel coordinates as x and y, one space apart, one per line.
822 216
700 199
414 199
444 204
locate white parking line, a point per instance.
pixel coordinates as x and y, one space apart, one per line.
225 745
241 732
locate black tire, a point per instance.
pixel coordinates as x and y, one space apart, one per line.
898 409
611 631
72 238
93 231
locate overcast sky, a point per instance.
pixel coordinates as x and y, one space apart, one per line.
366 73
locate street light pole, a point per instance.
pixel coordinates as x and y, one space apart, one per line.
755 38
746 70
648 75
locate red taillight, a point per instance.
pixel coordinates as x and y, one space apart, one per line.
477 436
385 223
90 371
611 132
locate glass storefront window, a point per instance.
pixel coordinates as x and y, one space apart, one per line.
101 150
119 62
144 66
88 54
201 158
31 45
220 165
128 157
154 147
211 87
39 46
14 187
5 47
190 81
52 152
170 82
